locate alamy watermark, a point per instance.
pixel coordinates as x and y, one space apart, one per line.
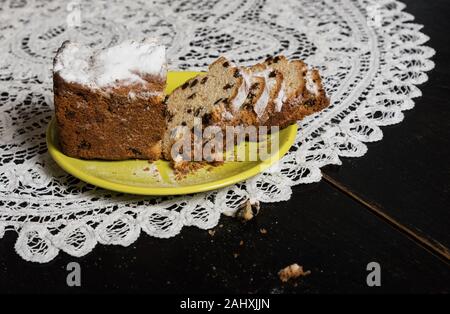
73 278
373 279
73 19
374 16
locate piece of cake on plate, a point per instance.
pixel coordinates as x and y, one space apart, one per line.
276 92
301 94
109 102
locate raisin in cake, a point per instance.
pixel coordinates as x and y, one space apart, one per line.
109 102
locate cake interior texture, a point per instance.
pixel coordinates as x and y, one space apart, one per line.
203 99
109 102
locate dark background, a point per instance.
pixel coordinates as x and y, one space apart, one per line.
390 206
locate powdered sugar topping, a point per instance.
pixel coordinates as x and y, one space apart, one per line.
126 63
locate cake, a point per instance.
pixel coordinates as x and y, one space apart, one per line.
276 92
302 92
271 84
109 102
203 99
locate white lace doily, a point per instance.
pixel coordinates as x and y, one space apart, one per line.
369 52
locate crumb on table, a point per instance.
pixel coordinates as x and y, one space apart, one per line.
292 272
248 210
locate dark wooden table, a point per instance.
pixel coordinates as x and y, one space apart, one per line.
391 206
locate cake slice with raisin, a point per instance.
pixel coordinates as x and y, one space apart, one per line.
109 102
265 104
277 92
215 98
257 95
302 92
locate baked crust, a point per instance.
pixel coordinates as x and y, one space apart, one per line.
107 124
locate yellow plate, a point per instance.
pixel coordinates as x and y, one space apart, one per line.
157 178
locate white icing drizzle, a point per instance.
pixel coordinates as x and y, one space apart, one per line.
243 91
125 63
310 85
281 97
262 102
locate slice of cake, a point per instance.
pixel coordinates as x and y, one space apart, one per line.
277 92
109 102
301 94
225 96
209 99
265 105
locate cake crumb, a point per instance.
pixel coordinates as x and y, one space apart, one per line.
146 169
212 232
241 243
263 231
248 210
184 168
292 272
